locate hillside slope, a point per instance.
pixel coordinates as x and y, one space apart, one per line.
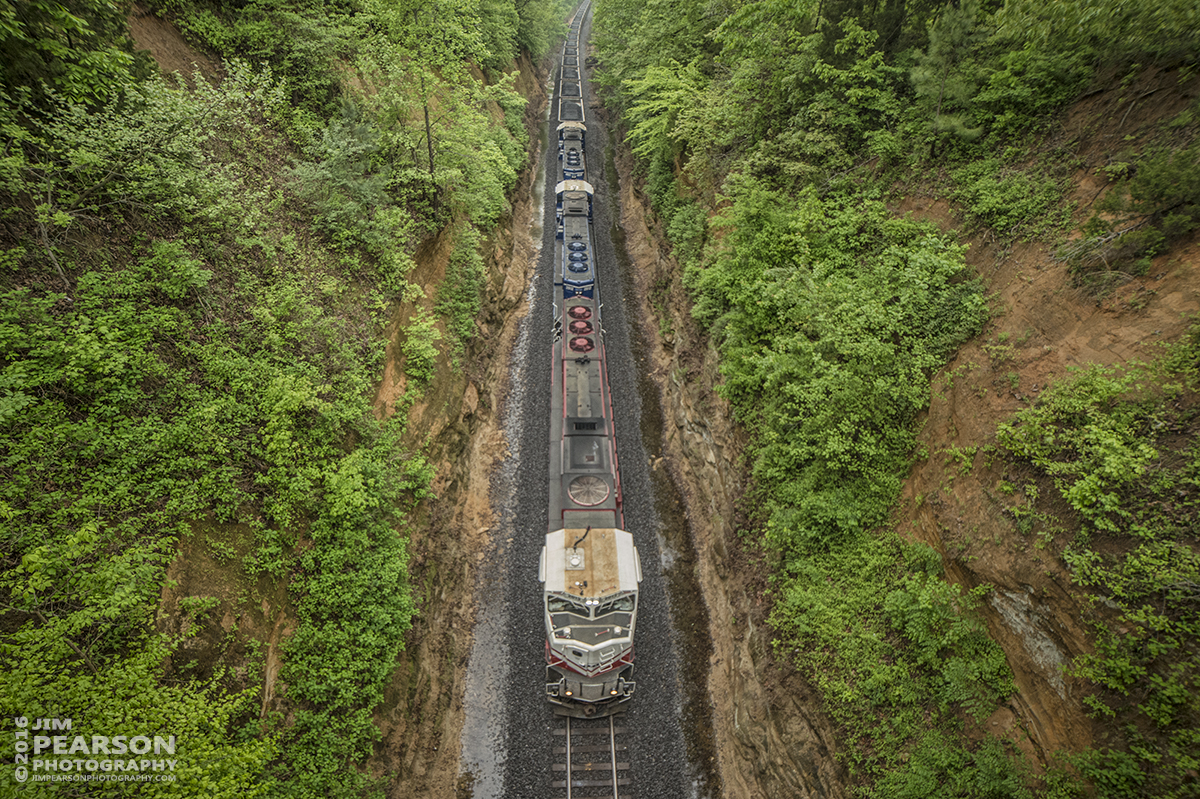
918 589
245 336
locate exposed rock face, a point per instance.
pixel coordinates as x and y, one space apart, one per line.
1029 621
771 737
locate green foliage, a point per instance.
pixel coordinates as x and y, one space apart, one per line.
420 351
883 659
1114 30
76 50
1153 202
1108 441
686 231
660 102
199 368
124 695
355 606
830 317
539 25
1009 199
631 35
939 769
344 179
447 156
969 669
943 77
183 344
1115 774
768 134
294 42
1027 86
461 294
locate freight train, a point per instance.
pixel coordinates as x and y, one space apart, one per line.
590 568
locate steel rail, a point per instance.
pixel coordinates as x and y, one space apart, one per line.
569 779
612 745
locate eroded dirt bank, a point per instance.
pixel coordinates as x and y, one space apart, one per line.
1044 326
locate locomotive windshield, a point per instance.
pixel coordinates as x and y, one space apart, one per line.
560 603
624 604
556 603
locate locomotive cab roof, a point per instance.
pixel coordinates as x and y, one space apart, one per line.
590 562
574 185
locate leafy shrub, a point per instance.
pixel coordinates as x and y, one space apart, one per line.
460 295
1154 201
945 75
125 695
344 181
420 351
686 229
299 47
830 317
969 669
1006 199
539 24
884 643
1115 31
1028 85
938 769
79 52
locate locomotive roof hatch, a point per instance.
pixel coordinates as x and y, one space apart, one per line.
590 562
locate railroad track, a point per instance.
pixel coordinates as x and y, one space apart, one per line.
592 761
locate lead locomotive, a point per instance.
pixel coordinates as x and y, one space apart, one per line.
589 566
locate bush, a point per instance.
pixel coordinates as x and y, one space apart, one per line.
1007 199
420 351
460 296
830 317
1028 86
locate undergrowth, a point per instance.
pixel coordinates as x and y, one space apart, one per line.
1120 448
1152 203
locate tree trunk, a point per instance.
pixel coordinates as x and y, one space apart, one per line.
428 127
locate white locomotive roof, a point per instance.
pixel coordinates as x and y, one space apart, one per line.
574 185
607 562
578 125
